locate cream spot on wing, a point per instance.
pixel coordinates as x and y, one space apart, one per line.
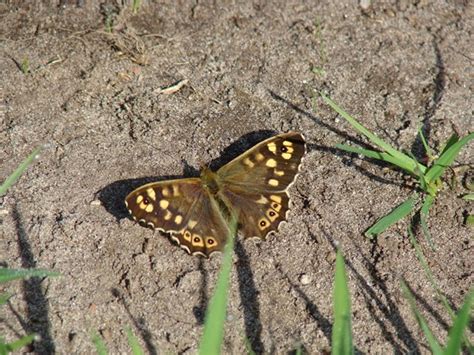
289 150
149 208
178 219
262 200
248 162
276 198
276 206
192 223
286 156
271 214
263 223
271 163
139 199
164 204
151 224
210 242
273 182
272 147
187 236
287 143
197 241
168 215
151 193
165 191
259 157
176 191
279 172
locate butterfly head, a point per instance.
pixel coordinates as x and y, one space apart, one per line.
209 180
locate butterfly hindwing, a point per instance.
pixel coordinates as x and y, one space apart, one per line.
206 231
183 208
260 213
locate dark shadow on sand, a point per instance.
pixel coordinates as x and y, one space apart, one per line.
37 309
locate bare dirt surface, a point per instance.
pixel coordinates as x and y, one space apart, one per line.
253 69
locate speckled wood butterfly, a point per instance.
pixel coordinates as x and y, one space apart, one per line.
195 211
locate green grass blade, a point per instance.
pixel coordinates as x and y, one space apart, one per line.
399 156
429 274
99 344
133 342
18 344
461 322
394 216
15 274
450 142
135 6
469 220
408 167
432 341
468 197
425 144
341 330
446 158
248 346
4 297
215 316
420 175
19 171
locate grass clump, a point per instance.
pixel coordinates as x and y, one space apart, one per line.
427 176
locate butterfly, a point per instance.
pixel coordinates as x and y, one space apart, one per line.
196 211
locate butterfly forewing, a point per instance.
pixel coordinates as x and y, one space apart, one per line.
271 165
257 181
183 208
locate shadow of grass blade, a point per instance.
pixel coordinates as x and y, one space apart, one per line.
15 274
341 330
133 342
461 323
99 344
447 157
19 171
215 316
394 216
421 258
427 203
432 341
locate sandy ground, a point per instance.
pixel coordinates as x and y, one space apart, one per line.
253 69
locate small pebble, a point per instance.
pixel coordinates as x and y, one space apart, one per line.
305 279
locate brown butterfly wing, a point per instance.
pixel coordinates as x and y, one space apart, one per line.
260 214
271 165
183 208
256 183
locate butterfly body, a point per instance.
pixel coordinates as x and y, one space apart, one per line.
196 211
